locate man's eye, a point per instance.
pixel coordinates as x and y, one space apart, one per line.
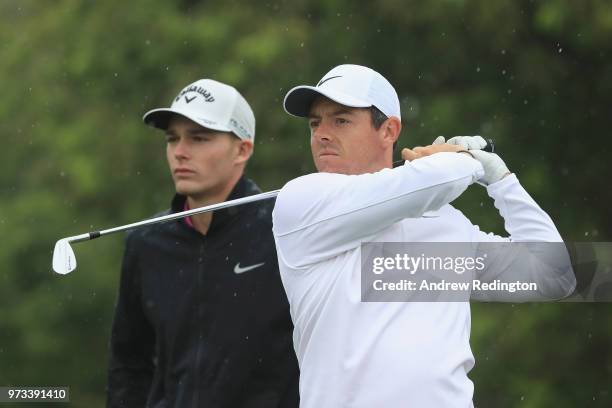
198 139
313 124
171 139
341 121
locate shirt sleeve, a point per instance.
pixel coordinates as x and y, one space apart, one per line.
533 251
322 215
132 340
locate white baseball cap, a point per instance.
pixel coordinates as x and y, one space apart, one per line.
211 104
349 85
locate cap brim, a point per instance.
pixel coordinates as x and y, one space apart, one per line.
299 99
159 118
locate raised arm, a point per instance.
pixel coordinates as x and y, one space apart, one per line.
321 215
532 252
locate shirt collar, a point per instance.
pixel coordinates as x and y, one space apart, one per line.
243 187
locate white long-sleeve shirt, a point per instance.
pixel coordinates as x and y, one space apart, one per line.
411 354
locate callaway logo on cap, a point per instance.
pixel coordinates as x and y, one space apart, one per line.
355 86
211 104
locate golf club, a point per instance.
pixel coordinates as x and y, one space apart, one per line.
64 260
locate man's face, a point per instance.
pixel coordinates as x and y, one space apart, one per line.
202 161
343 140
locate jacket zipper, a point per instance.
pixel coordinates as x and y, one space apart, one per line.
200 314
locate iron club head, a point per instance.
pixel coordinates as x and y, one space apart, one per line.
64 260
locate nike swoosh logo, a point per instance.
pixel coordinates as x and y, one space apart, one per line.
189 100
238 270
327 79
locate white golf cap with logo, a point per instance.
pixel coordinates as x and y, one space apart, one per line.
211 104
350 85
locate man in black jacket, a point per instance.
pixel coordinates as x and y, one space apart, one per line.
202 319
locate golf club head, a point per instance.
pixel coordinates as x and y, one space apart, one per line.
64 260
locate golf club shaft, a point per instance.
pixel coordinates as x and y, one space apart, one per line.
239 201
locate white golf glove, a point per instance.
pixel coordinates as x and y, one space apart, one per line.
494 167
468 142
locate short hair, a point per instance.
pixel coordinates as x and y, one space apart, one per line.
378 118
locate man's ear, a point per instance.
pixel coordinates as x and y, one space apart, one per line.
244 152
391 129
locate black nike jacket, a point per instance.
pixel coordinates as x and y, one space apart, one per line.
203 321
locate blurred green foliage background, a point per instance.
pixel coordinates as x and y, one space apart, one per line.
78 75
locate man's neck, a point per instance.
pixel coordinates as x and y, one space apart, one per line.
372 168
201 222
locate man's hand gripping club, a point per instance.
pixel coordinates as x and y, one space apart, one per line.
494 167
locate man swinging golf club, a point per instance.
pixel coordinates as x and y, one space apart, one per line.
400 354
